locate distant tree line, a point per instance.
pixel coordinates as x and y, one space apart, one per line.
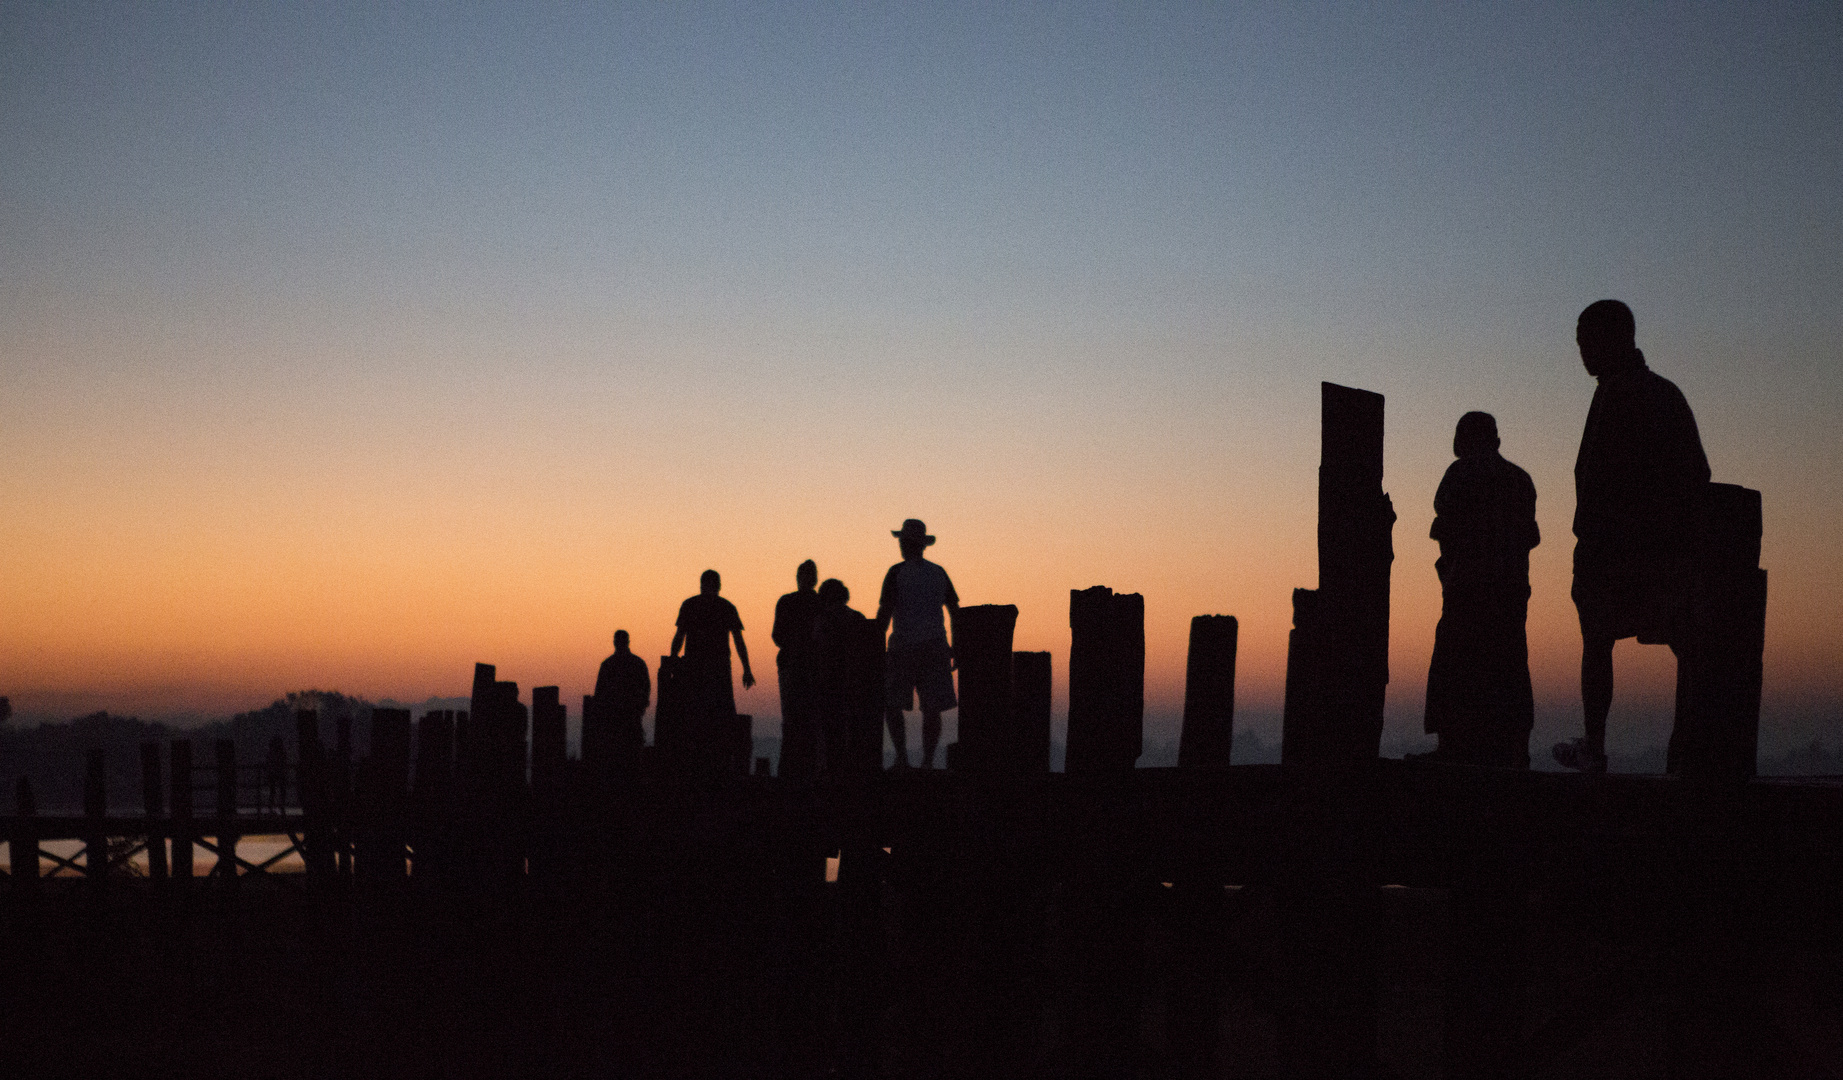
52 755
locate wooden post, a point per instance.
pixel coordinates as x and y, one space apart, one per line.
1208 735
95 808
24 841
227 811
153 807
549 738
179 765
670 736
310 779
982 651
1719 659
1106 680
1028 751
339 794
1337 661
382 798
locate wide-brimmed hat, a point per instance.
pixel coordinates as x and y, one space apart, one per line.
913 529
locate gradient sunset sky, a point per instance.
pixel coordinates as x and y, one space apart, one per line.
345 345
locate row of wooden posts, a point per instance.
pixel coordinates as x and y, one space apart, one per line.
474 774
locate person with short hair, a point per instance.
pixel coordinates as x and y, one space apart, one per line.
613 735
850 662
706 623
794 617
1639 485
920 657
1479 699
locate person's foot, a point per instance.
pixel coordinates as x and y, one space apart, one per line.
1576 754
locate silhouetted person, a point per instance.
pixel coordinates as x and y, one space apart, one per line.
794 617
1479 700
613 735
920 659
848 690
706 622
1638 486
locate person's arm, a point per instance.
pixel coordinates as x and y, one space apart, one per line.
782 632
886 602
742 651
678 640
952 600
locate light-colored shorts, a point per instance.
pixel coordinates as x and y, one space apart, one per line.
925 668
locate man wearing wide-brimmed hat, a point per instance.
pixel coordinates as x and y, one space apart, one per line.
920 660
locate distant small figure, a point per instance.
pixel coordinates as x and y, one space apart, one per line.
795 615
612 734
1479 700
706 622
920 659
848 688
1639 484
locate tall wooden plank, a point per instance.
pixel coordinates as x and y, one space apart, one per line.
1106 680
95 809
1338 654
1209 694
549 737
1027 750
153 807
227 811
982 651
23 843
179 765
1722 647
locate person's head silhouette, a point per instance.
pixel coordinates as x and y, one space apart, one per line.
912 538
1606 335
833 593
807 575
710 583
620 641
1475 435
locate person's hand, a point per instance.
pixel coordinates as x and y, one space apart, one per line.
748 680
953 659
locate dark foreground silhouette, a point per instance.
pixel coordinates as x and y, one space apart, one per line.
472 902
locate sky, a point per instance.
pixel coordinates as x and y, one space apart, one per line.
343 346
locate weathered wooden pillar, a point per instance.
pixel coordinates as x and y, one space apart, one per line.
1717 731
1028 750
982 650
1106 680
1208 735
339 793
1337 661
179 764
434 755
671 735
227 811
382 810
311 781
153 807
549 738
95 809
432 803
23 842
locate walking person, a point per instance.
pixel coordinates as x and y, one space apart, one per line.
920 657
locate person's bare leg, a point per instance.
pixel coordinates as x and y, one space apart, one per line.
1596 690
899 734
931 736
